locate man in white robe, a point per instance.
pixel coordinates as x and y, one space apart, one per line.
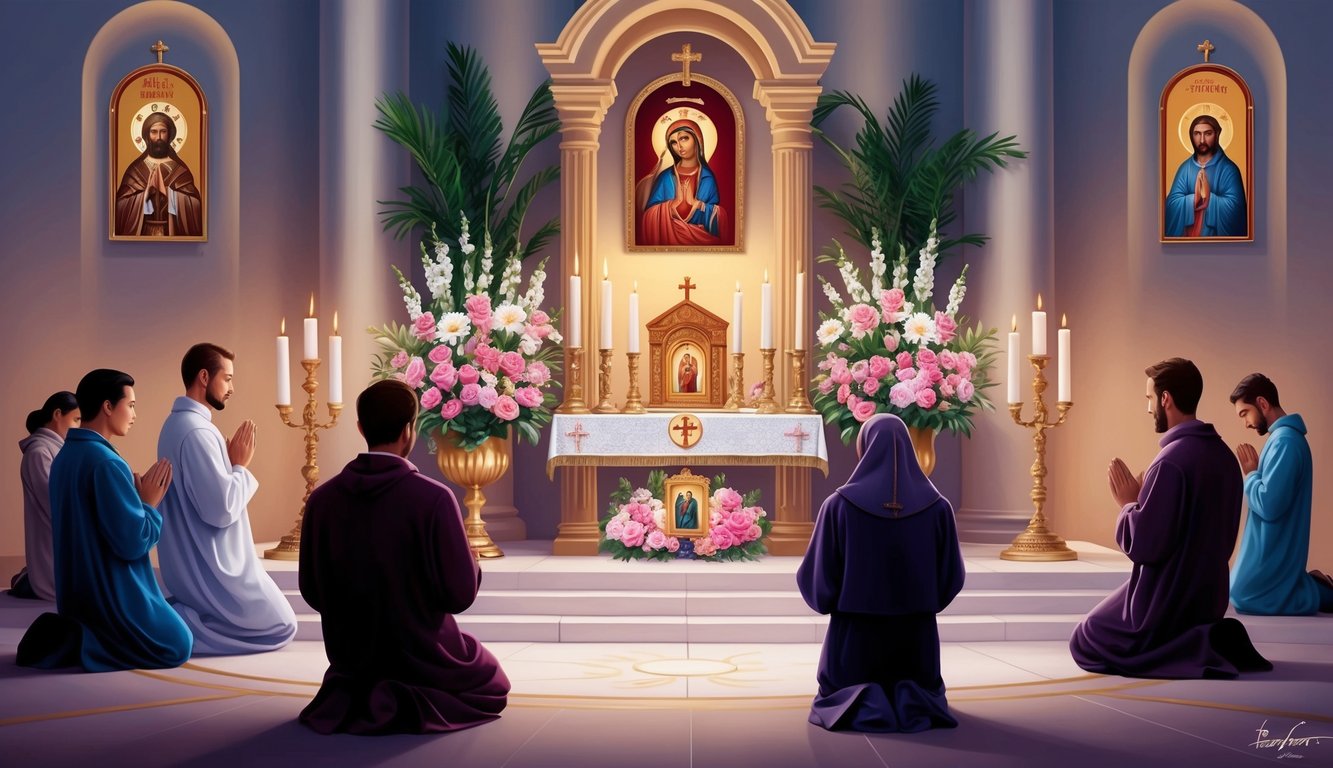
207 552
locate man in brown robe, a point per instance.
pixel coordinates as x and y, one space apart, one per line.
157 196
385 561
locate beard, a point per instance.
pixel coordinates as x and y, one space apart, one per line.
1262 426
159 149
1159 420
217 402
1204 149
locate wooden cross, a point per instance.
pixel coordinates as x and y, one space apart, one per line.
799 435
159 48
1206 47
685 428
688 286
578 434
685 57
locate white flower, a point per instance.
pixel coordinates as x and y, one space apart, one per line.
957 293
876 261
641 495
489 378
900 270
920 328
453 327
829 332
924 282
852 280
555 337
509 317
528 345
831 293
659 516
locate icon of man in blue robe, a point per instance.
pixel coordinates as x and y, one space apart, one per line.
687 510
1207 196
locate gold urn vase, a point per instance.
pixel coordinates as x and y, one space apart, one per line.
474 470
923 443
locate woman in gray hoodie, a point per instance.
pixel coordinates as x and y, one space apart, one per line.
46 434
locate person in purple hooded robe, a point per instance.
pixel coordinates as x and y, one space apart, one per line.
385 561
883 560
1178 526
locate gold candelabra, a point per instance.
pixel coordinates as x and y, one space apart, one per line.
633 403
574 384
767 403
736 399
290 546
604 403
1037 543
798 402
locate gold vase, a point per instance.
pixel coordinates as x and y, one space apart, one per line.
474 470
923 443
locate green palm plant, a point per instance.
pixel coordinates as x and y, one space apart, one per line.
901 182
465 168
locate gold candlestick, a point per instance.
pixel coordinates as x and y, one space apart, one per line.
290 546
1037 543
574 384
604 404
736 400
632 402
798 402
767 402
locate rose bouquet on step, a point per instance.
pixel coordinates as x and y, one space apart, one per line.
634 527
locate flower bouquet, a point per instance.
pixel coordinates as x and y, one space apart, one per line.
635 525
480 355
889 349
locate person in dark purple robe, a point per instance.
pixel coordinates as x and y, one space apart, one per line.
883 560
1178 525
385 561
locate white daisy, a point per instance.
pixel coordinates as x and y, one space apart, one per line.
509 317
454 327
919 329
829 332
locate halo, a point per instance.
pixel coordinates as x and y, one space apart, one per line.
706 127
1206 108
134 127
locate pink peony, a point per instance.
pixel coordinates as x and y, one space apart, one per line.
864 410
399 360
440 354
948 360
656 539
505 408
478 308
451 409
826 386
879 367
926 357
968 359
860 369
444 376
537 374
863 318
467 374
633 534
729 500
487 397
965 390
925 399
844 391
870 386
431 399
722 537
902 395
945 327
906 374
511 364
424 327
528 397
704 547
639 512
904 360
488 357
415 375
470 394
672 544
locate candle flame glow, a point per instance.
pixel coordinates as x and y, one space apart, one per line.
312 304
605 270
282 327
765 275
1013 324
636 286
738 286
1039 302
1064 320
335 322
576 263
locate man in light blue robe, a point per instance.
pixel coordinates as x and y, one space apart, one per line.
1207 196
1269 576
207 552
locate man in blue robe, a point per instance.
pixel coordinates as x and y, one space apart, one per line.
687 511
1207 196
110 611
1269 577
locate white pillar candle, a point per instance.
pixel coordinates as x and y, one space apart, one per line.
800 311
335 364
574 309
1038 330
766 314
737 312
1014 392
310 342
284 373
632 343
1062 341
605 341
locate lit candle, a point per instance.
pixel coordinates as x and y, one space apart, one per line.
605 341
284 374
310 344
335 364
633 342
1062 341
573 318
737 300
1039 330
800 311
1014 396
766 314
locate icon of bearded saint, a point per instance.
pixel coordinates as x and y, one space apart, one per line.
157 196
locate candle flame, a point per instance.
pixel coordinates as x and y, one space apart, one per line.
1064 320
1013 324
1039 302
282 327
765 275
636 286
335 322
576 263
312 304
605 270
738 286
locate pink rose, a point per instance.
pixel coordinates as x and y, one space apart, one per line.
738 523
952 380
478 308
844 392
399 360
891 301
487 397
640 513
729 500
537 374
633 534
926 357
451 409
948 360
424 327
863 318
415 375
944 405
537 332
754 533
963 371
828 361
704 547
470 394
852 400
890 341
860 369
968 359
722 538
615 528
528 397
511 364
431 399
935 374
488 357
440 354
841 374
672 544
880 367
904 360
505 408
906 374
870 386
945 327
945 391
864 410
444 376
826 386
902 395
467 374
965 390
656 539
539 317
925 399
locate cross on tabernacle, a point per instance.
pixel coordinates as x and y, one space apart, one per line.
799 435
685 428
159 48
685 57
578 434
687 286
1206 47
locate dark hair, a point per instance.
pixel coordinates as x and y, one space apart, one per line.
159 117
1181 378
384 409
101 386
60 401
203 357
1254 386
1209 119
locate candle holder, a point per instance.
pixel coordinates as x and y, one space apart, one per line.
767 403
736 400
574 384
290 546
799 402
632 402
1037 543
604 404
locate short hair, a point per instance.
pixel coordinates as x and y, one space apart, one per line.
60 401
101 386
384 409
160 117
203 357
1254 386
1209 119
1181 378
